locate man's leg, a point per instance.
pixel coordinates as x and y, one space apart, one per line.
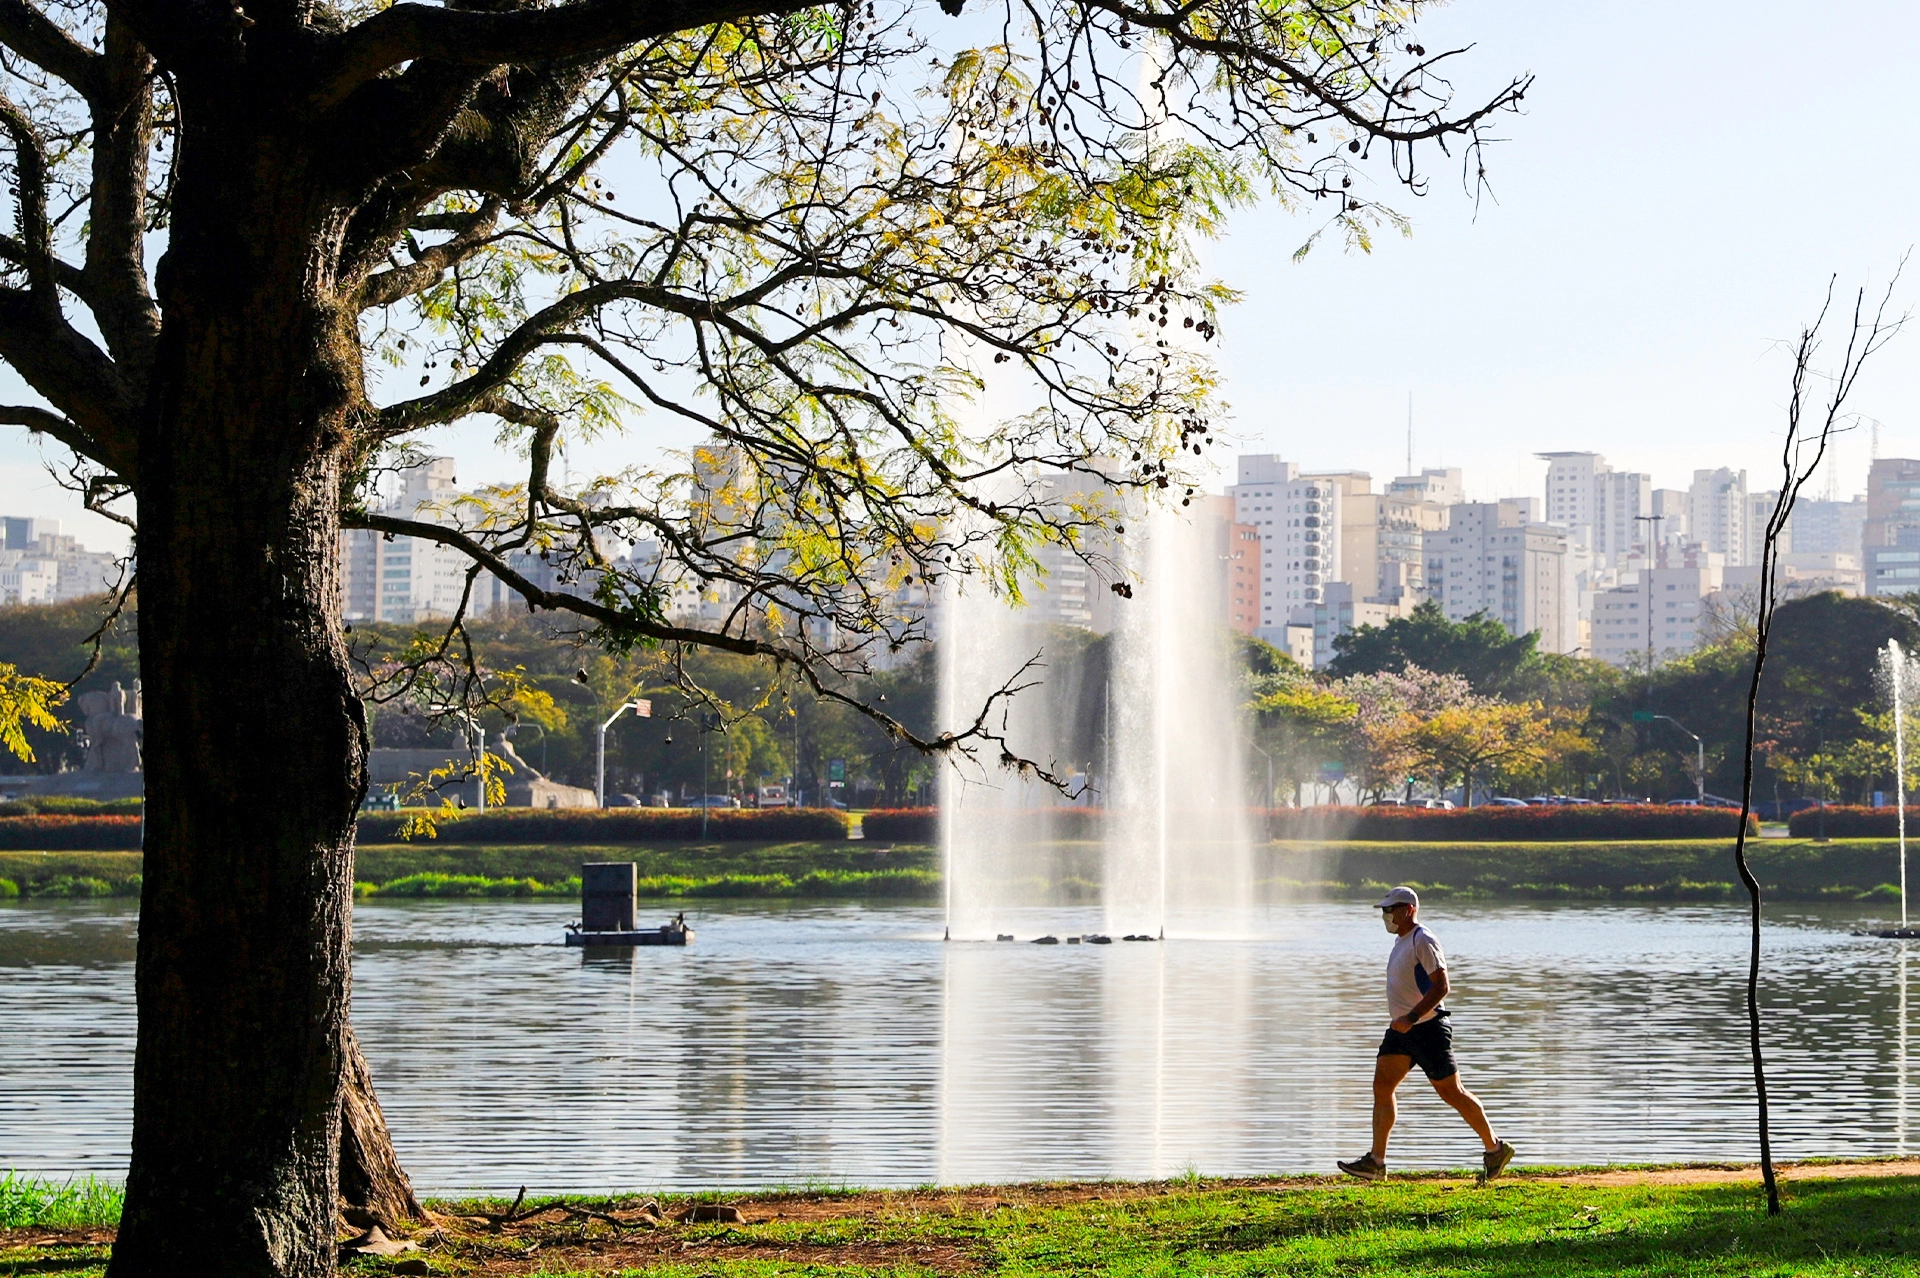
1460 1098
1387 1073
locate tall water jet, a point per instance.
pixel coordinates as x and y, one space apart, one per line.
1896 668
1179 848
999 856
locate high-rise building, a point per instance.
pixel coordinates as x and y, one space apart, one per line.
1443 485
1620 500
1494 558
39 564
1890 550
1258 498
1760 508
1673 507
1572 493
405 579
1658 610
1829 527
1718 512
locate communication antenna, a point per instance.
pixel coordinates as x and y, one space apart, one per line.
1409 432
1876 442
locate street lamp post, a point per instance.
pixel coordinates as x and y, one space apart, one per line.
1699 750
1653 536
642 709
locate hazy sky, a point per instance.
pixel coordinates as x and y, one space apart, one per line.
1667 212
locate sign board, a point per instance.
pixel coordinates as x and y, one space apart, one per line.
1644 716
836 773
643 708
1333 770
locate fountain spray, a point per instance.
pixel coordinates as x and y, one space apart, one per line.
1897 676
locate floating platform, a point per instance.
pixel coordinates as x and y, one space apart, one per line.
675 933
1895 933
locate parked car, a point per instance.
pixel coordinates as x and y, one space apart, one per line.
1498 802
715 801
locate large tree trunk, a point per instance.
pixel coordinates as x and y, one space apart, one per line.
374 1190
255 743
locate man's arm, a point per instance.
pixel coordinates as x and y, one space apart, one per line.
1435 992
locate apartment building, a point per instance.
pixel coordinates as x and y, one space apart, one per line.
1655 610
1495 558
1572 496
1259 501
1829 527
1890 550
39 564
1719 513
405 579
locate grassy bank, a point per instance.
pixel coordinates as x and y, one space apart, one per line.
1657 870
1439 1227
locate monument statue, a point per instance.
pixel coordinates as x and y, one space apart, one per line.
113 728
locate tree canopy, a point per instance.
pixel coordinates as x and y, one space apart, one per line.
885 281
1478 649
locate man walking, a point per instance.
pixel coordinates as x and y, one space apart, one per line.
1419 1035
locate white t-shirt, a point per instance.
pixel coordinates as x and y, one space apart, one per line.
1410 970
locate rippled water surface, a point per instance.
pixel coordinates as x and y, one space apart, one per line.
849 1045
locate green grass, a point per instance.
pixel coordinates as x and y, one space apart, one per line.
1424 1227
1844 870
1517 1229
78 1203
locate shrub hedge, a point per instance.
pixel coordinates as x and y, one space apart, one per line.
1853 823
69 833
68 805
617 825
922 825
1529 824
1386 824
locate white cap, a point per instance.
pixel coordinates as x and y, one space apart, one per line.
1400 896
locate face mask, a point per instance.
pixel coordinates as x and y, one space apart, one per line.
1387 919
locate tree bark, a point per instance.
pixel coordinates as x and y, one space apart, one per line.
374 1190
255 743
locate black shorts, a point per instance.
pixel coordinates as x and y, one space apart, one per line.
1430 1043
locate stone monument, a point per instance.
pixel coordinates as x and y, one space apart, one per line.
113 726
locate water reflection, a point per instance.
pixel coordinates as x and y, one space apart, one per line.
848 1045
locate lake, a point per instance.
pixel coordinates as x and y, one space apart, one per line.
848 1045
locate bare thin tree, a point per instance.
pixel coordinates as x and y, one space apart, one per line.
1811 425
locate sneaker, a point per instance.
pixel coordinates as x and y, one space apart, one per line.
1366 1167
1495 1161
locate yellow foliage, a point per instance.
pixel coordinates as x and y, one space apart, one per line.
27 701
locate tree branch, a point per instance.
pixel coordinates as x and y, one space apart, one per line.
627 624
465 37
41 41
431 264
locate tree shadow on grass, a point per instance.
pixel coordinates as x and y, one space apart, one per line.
1656 1230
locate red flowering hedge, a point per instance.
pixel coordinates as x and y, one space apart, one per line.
617 825
1496 823
1386 824
69 833
1853 823
922 825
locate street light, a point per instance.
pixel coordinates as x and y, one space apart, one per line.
1700 749
642 709
1652 538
